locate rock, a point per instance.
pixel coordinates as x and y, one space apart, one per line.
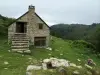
33 67
49 54
90 62
89 67
63 62
27 51
78 60
59 62
30 58
89 73
79 67
20 51
49 48
5 68
46 60
44 66
72 64
56 62
62 71
76 72
6 63
9 50
22 55
61 54
28 73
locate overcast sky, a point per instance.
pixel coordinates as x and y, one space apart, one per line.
55 11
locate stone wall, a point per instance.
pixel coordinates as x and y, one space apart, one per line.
11 30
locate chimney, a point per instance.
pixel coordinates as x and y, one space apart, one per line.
31 8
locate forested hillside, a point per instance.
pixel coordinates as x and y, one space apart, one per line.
4 23
74 31
89 33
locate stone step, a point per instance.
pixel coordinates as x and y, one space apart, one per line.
20 46
20 42
20 49
20 39
26 48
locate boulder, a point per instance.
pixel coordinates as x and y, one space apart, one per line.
33 67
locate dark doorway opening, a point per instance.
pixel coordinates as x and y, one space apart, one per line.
40 41
21 27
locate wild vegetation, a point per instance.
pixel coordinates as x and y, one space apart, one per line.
66 49
4 23
89 33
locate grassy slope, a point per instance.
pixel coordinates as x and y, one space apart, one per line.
18 63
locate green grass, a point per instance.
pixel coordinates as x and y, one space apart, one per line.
18 63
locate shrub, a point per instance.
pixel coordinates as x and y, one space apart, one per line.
82 43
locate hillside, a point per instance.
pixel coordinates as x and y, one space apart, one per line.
16 64
64 49
74 31
4 23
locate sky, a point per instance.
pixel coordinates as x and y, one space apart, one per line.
55 11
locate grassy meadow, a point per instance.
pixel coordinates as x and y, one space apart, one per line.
64 49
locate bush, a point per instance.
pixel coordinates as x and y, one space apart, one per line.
82 43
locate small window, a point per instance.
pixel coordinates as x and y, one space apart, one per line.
40 26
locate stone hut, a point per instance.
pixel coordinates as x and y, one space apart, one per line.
28 29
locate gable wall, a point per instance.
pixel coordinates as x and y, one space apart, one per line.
12 27
11 30
32 27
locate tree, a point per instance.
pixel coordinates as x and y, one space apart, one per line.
4 23
98 40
